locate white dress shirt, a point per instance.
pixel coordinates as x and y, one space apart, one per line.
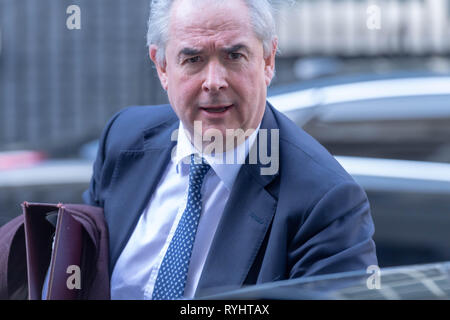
137 267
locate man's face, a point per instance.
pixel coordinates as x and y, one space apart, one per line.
215 69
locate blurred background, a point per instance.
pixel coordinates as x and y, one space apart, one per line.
369 79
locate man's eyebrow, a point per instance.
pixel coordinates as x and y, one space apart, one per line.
189 52
235 48
193 52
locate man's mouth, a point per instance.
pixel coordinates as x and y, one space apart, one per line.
216 109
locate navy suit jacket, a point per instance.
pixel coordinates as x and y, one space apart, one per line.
309 218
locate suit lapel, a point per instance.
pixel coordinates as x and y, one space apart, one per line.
142 168
243 226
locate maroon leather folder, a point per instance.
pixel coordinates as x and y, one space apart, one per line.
70 270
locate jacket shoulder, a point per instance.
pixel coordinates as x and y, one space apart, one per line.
126 128
141 118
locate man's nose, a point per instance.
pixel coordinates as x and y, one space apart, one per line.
215 77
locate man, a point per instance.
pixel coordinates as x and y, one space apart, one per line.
182 223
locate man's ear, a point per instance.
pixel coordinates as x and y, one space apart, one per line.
269 62
160 68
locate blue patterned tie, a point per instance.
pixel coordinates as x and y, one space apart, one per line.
172 274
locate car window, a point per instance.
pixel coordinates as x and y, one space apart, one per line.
409 128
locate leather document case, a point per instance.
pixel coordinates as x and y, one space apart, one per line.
59 240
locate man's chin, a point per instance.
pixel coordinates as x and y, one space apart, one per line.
219 135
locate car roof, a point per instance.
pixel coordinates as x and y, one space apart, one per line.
357 88
398 175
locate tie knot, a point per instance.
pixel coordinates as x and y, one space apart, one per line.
198 168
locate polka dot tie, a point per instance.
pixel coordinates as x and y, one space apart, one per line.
172 274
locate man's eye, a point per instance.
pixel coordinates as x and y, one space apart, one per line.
235 55
193 59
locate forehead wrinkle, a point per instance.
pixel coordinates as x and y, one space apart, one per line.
209 40
207 30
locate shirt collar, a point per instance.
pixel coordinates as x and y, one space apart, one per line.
227 172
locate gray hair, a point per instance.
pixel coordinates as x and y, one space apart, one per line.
261 15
